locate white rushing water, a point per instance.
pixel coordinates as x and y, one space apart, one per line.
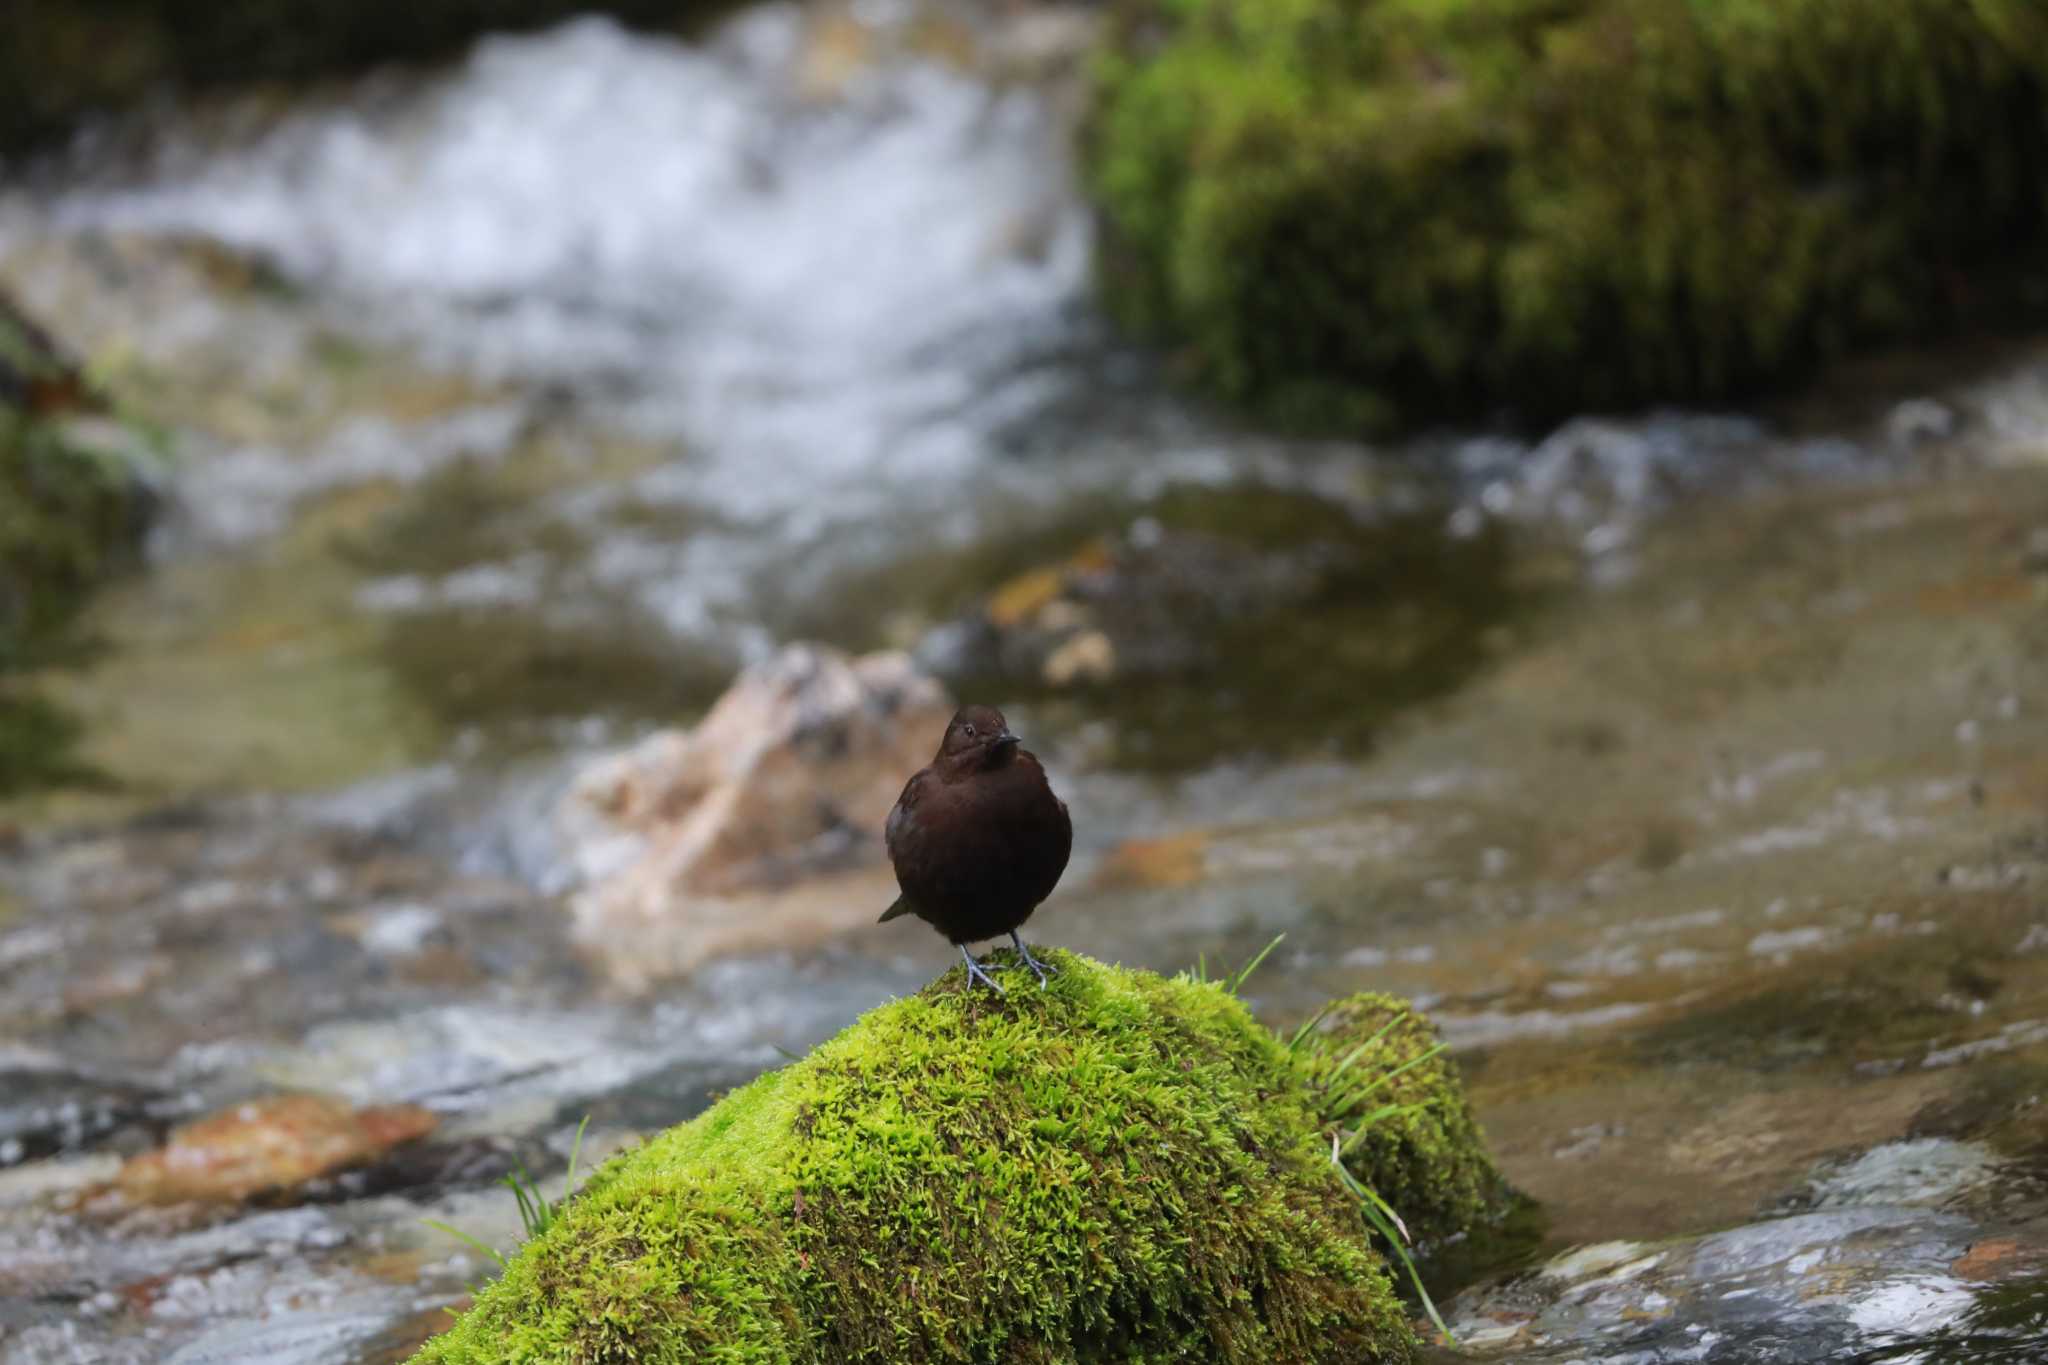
833 307
808 288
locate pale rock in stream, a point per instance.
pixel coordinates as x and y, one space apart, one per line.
760 827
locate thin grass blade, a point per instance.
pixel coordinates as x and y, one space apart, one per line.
1301 1034
1236 983
459 1235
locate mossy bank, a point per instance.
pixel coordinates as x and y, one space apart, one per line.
1121 1167
1357 212
71 515
63 60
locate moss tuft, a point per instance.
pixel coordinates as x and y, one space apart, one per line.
1121 1167
1427 1159
1348 211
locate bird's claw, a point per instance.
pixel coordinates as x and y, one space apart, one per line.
975 973
1043 971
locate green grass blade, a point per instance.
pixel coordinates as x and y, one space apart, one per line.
1236 983
1301 1034
533 1210
1413 1062
1358 1051
459 1235
575 1151
1388 1224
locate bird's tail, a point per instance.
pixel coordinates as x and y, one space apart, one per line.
900 908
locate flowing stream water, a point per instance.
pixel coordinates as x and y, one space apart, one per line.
1692 769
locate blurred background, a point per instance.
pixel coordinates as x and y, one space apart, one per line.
1544 503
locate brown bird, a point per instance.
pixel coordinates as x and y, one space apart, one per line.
978 839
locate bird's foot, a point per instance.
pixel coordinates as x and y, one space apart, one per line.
975 973
1041 969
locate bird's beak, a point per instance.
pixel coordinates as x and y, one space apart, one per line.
1006 740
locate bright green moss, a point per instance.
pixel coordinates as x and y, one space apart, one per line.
1346 211
1119 1168
1426 1159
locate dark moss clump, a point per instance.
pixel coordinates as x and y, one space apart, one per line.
1352 211
60 59
69 518
1119 1168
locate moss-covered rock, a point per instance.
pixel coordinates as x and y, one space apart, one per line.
69 517
1121 1167
1348 211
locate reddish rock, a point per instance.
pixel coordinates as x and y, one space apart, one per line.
273 1143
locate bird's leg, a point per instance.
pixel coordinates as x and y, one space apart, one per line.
975 973
1042 969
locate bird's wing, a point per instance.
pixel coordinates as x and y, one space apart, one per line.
900 830
901 821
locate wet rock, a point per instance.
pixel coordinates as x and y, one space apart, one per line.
1916 421
50 1110
1819 1286
1921 1172
287 1339
277 1143
413 1168
1923 1249
1087 657
1133 605
1222 620
704 839
51 1256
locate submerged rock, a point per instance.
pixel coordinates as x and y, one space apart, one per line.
268 1144
49 1109
1119 1167
693 842
1869 1284
1217 621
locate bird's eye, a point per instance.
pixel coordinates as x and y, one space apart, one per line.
969 732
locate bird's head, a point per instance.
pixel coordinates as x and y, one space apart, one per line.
978 738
